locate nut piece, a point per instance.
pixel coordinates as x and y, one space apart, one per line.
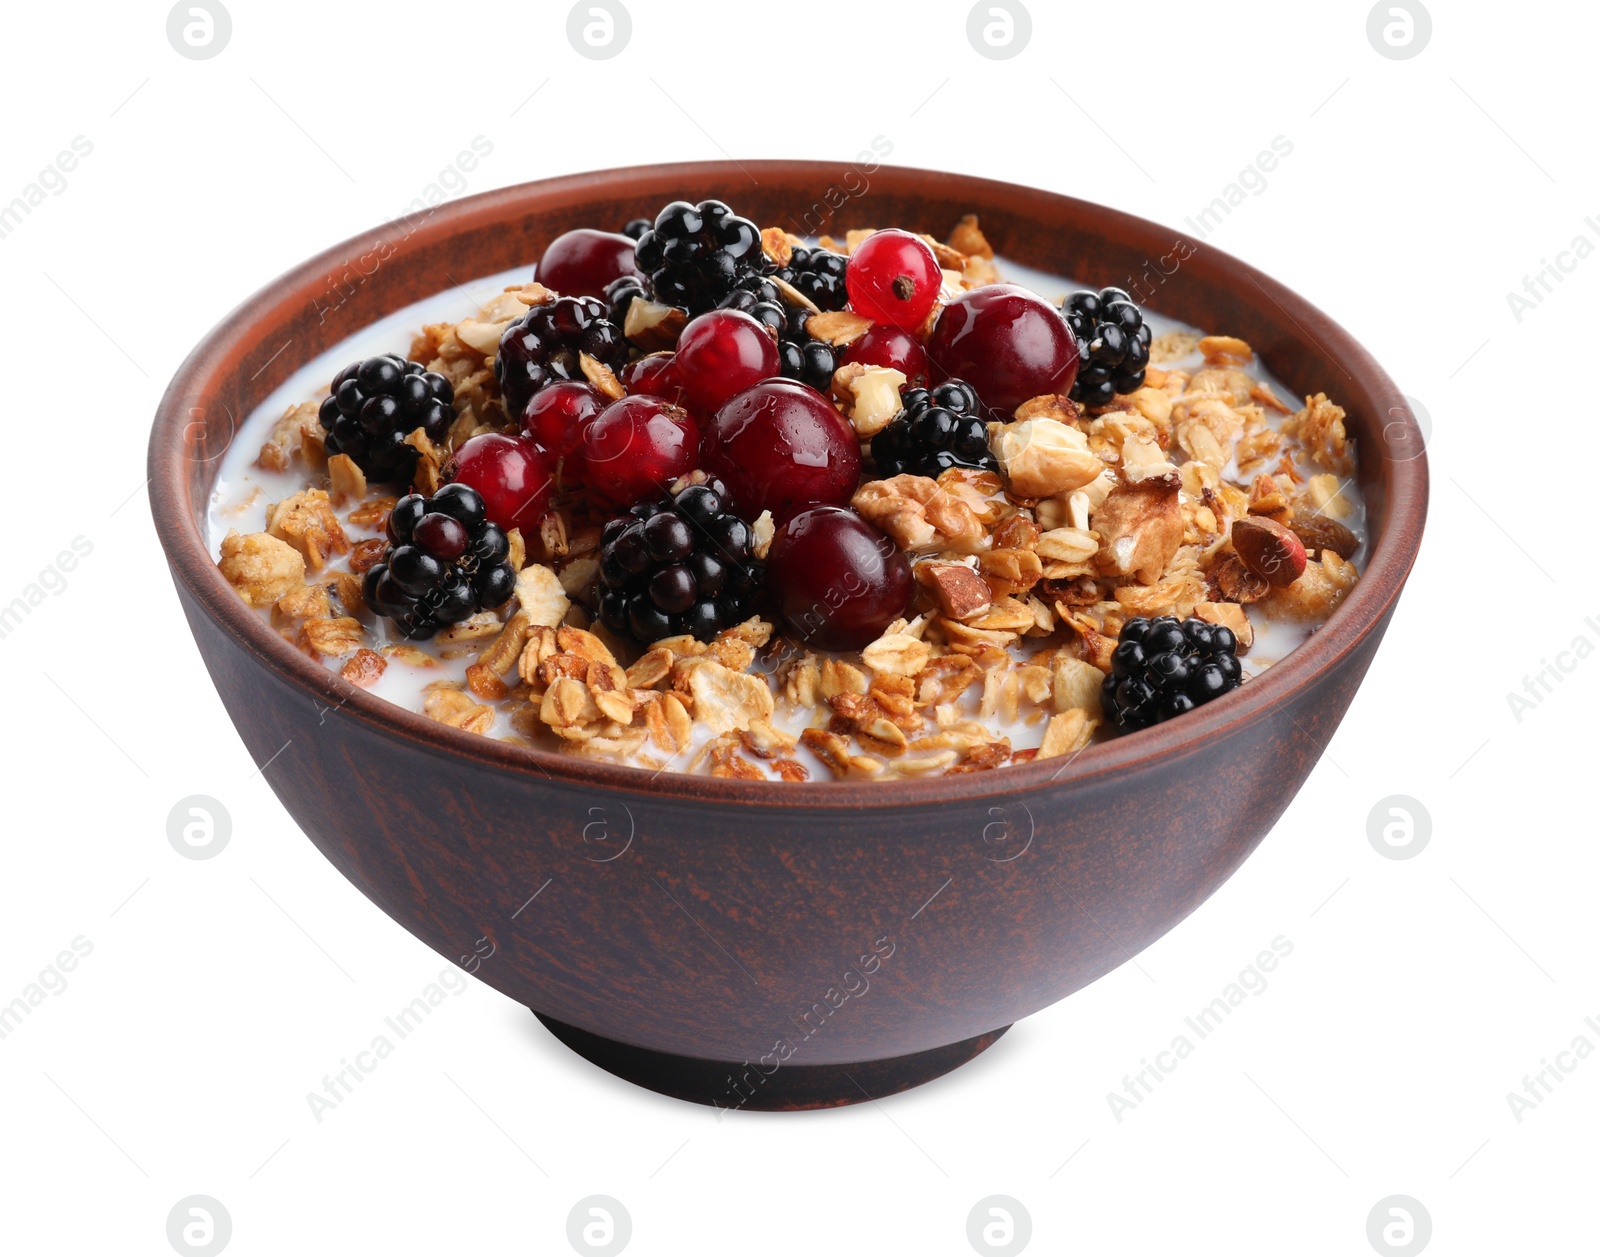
960 590
871 395
919 514
652 326
261 567
1042 457
1140 527
1269 550
540 595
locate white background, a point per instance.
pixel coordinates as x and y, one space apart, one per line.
218 993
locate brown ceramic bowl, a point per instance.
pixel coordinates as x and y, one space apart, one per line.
765 945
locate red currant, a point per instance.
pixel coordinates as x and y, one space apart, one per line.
893 278
655 375
884 346
839 582
556 417
510 475
781 447
1008 343
636 447
723 352
581 263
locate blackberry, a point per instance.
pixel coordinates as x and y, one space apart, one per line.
679 565
936 429
693 255
1162 668
801 356
1113 344
819 274
620 293
375 404
543 346
444 562
636 227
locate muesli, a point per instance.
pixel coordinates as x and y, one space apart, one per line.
709 498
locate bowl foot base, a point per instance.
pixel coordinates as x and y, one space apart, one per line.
748 1085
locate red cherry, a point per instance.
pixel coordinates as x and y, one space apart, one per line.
655 375
1008 343
556 418
781 447
558 413
839 582
723 352
884 346
636 447
510 475
581 263
893 278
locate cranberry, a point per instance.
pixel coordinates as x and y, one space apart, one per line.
893 278
1008 343
581 263
510 475
655 375
884 346
636 447
781 447
557 415
838 581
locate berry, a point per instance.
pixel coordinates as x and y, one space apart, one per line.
1162 668
636 227
1113 344
694 254
556 418
655 375
681 564
884 346
893 278
619 296
445 560
583 262
375 404
543 346
800 355
1008 343
819 274
636 447
723 352
935 430
782 447
837 580
509 474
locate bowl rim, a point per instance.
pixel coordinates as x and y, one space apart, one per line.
1391 557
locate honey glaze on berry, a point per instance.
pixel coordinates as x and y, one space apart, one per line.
992 524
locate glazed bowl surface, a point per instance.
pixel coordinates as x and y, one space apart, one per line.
758 944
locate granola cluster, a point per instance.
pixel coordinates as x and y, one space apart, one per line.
1200 494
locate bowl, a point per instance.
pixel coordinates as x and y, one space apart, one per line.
769 945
